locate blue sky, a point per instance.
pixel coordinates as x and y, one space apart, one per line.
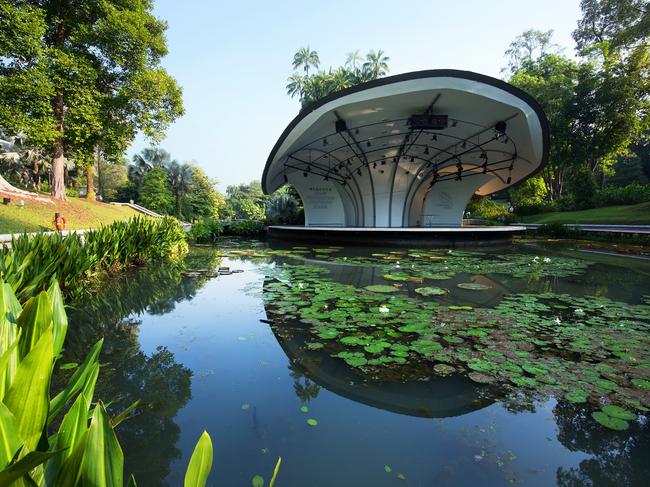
233 58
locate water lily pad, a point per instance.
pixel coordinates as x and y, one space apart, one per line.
618 412
473 286
642 384
444 369
258 481
304 409
481 378
577 396
312 422
387 469
381 288
431 291
610 422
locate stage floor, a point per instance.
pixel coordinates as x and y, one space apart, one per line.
398 236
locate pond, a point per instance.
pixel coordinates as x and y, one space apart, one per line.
525 365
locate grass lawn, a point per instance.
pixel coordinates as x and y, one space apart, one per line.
38 215
613 215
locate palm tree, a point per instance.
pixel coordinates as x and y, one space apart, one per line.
354 60
339 80
296 85
180 181
146 161
376 64
305 58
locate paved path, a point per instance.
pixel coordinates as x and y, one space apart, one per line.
643 229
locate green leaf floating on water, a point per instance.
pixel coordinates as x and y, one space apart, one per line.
304 409
618 412
312 422
387 469
381 288
577 396
431 291
473 286
258 481
481 378
610 422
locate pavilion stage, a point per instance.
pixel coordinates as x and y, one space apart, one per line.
397 236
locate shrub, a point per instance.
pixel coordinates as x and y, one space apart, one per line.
583 188
627 195
33 261
85 450
483 207
245 228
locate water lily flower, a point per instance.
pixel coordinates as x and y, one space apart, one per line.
546 260
384 309
300 285
558 320
579 311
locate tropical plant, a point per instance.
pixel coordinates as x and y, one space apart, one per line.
155 193
180 181
33 261
376 64
305 58
84 450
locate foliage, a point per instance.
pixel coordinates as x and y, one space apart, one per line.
85 450
284 208
626 195
529 47
203 200
623 215
244 228
34 261
530 192
310 88
84 79
246 201
483 207
583 188
209 230
155 193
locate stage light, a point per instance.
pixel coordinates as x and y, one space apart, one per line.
325 141
426 150
412 159
304 174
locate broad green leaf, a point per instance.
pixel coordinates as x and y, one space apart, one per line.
69 473
275 472
72 430
28 396
102 464
35 318
84 378
59 317
8 366
9 439
23 466
200 463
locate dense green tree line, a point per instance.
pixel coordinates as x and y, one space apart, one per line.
597 102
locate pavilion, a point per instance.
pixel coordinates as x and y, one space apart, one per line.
407 152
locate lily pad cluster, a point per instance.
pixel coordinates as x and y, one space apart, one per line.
579 349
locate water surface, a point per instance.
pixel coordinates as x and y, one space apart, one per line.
206 352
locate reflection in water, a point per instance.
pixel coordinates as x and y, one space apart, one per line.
617 458
148 438
473 441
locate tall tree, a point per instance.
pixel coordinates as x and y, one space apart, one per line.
376 64
530 46
305 58
180 182
94 70
354 60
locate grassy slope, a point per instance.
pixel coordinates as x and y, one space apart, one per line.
614 215
80 213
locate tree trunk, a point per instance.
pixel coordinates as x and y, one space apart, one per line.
90 186
90 176
58 159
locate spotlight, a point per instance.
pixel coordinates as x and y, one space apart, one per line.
464 144
286 179
381 171
407 172
326 178
434 137
426 150
412 159
509 180
349 163
374 165
394 160
359 172
356 131
304 174
383 162
325 141
406 139
368 144
454 123
343 183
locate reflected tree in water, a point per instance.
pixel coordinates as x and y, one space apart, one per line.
617 458
305 389
163 385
